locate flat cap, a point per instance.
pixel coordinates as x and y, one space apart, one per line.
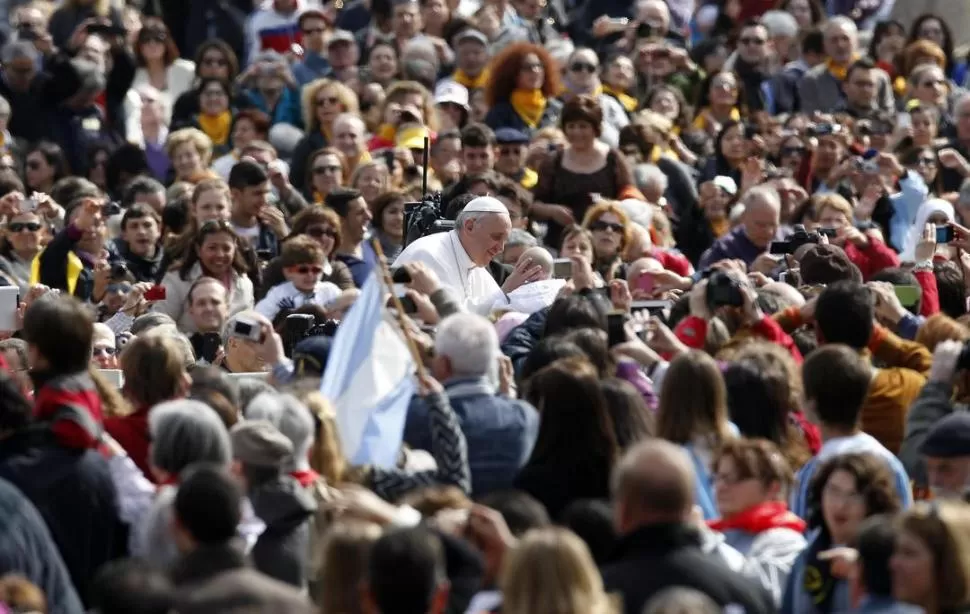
949 437
259 443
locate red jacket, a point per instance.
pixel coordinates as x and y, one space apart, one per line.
692 332
131 432
678 263
872 258
930 301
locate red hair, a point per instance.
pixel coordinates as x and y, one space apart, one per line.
505 68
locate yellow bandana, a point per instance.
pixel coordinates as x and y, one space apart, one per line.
472 83
629 102
216 127
529 105
387 132
839 71
700 122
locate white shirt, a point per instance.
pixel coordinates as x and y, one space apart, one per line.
443 253
270 306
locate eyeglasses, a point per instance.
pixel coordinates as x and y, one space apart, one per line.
323 170
305 269
22 226
726 84
104 351
599 225
316 232
583 67
326 100
926 161
752 41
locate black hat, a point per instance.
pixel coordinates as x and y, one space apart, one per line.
949 437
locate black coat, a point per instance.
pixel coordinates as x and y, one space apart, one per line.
653 558
76 497
282 549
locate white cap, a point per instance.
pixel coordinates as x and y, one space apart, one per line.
485 204
451 91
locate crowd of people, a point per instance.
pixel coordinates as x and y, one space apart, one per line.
685 307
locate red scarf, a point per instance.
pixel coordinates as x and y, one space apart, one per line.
759 518
305 477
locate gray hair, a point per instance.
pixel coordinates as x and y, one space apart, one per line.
841 21
4 106
469 342
780 23
150 320
18 50
638 211
763 193
351 118
249 389
520 238
231 323
185 432
645 174
170 331
291 418
422 49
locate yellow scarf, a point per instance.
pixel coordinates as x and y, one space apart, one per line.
720 227
216 127
529 178
839 71
700 122
472 83
529 105
629 102
363 158
318 198
387 132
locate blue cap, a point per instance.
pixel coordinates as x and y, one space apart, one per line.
949 437
511 136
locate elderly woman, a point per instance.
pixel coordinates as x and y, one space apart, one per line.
190 151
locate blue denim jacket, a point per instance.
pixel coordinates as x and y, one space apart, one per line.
500 431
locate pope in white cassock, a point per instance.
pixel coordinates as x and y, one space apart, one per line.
460 255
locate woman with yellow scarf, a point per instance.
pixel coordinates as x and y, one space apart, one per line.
718 102
523 88
215 113
618 79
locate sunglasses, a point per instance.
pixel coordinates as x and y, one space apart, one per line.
323 170
752 41
215 61
22 226
617 228
583 67
304 269
327 100
153 37
317 232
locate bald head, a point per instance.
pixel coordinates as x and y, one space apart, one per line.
653 483
762 213
640 266
540 256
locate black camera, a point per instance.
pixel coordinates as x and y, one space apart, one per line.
424 218
799 237
723 291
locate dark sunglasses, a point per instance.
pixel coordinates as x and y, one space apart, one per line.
304 269
317 232
583 67
752 41
598 225
792 151
22 226
158 37
327 100
323 170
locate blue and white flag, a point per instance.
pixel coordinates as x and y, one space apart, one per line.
369 379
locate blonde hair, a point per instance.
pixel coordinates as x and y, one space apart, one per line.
326 455
347 97
192 136
821 202
343 556
552 570
944 528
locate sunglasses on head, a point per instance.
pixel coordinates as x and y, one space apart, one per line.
600 225
215 226
583 67
317 232
22 226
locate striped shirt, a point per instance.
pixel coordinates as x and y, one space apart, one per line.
858 443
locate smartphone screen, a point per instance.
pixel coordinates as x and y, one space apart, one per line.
645 283
562 268
944 234
616 333
908 295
